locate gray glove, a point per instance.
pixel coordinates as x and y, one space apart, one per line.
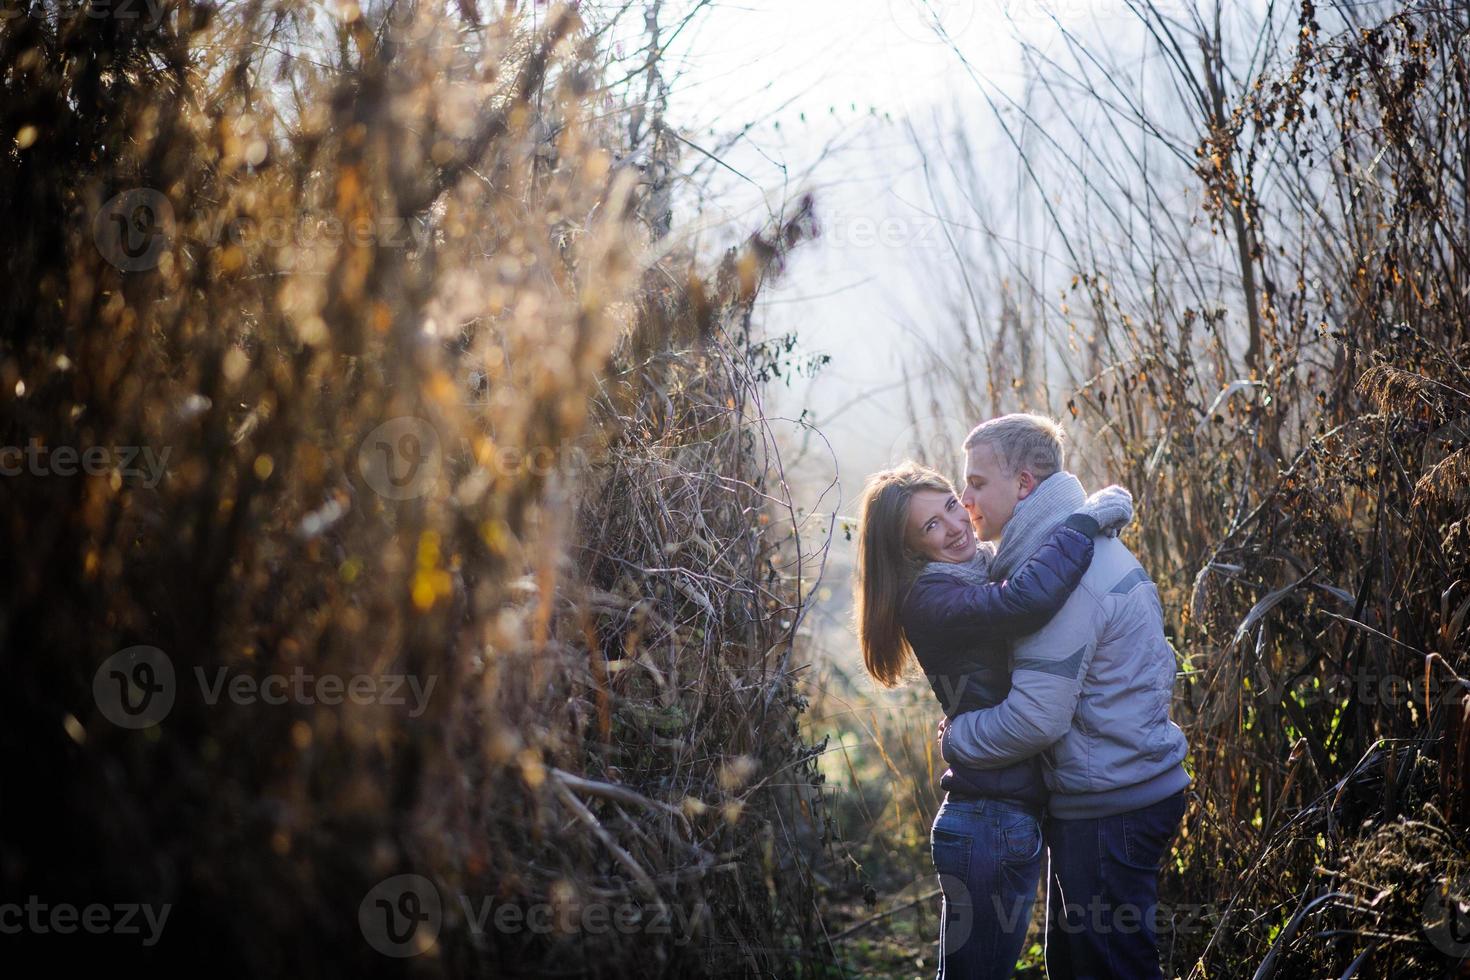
1111 507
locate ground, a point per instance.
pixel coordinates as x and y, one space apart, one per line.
898 941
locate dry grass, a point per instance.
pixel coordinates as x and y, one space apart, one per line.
587 549
1280 377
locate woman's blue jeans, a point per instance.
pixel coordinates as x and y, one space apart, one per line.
988 855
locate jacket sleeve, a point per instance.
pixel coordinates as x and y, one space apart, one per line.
1047 668
1021 603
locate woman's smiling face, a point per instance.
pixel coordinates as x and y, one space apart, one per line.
938 528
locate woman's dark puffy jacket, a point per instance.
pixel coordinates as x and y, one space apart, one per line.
959 630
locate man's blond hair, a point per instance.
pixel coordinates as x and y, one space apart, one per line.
1021 441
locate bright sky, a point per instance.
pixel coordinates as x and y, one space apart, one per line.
834 94
829 90
825 88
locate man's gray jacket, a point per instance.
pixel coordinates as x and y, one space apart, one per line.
1093 685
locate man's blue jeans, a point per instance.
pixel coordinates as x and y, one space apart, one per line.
1104 897
988 855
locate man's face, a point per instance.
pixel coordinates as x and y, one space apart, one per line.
991 494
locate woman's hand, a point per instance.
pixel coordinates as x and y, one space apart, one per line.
939 734
1111 507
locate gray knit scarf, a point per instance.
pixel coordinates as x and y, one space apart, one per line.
976 571
1034 519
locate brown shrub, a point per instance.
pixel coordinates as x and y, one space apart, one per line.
375 295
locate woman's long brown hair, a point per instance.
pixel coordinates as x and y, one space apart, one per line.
885 569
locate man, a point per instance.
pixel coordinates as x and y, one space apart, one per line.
1092 688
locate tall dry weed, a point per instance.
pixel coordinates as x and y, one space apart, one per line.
450 632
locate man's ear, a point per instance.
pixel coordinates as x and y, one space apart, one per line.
1028 483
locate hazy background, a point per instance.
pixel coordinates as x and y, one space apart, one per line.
846 100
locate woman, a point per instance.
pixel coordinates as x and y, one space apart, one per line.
923 594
